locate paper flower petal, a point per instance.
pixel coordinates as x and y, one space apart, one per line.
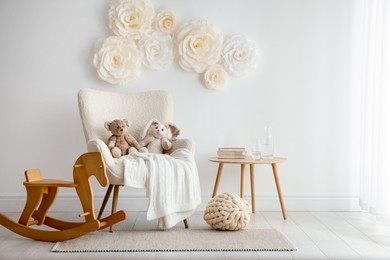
156 50
239 55
117 60
131 18
198 45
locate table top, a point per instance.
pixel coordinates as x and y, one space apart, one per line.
248 160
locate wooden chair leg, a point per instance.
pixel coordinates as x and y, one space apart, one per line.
185 223
105 200
114 201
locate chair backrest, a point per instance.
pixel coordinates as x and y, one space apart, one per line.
96 107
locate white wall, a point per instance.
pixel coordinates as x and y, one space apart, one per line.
301 89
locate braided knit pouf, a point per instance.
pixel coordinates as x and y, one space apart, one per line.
227 212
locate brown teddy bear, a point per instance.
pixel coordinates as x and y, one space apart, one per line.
120 143
157 137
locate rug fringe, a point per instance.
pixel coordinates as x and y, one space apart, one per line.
167 250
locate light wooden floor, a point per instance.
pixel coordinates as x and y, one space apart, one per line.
317 235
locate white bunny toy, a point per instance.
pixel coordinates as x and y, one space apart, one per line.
157 137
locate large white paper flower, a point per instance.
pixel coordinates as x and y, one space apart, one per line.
156 50
198 46
117 60
131 18
165 22
215 77
239 55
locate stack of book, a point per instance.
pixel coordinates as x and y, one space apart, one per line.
231 153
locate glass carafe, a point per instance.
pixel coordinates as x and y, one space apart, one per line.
267 144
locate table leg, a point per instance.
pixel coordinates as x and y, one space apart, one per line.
242 189
218 178
252 171
274 169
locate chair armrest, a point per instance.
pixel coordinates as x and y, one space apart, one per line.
182 143
97 145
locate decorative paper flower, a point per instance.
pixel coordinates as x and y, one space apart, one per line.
117 60
130 18
156 50
215 77
165 22
198 45
239 55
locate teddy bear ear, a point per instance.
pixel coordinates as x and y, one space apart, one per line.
174 130
151 122
126 121
107 125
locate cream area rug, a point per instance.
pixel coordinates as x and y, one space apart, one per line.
177 240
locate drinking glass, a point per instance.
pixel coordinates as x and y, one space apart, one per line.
256 150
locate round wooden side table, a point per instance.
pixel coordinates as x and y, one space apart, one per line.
251 162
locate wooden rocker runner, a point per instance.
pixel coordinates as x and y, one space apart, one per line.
43 192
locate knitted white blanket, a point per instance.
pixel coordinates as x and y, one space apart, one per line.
171 182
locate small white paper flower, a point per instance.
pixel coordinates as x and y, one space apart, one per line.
198 45
239 55
156 50
117 60
165 22
215 77
130 18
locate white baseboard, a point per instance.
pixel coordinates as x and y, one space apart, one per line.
139 202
